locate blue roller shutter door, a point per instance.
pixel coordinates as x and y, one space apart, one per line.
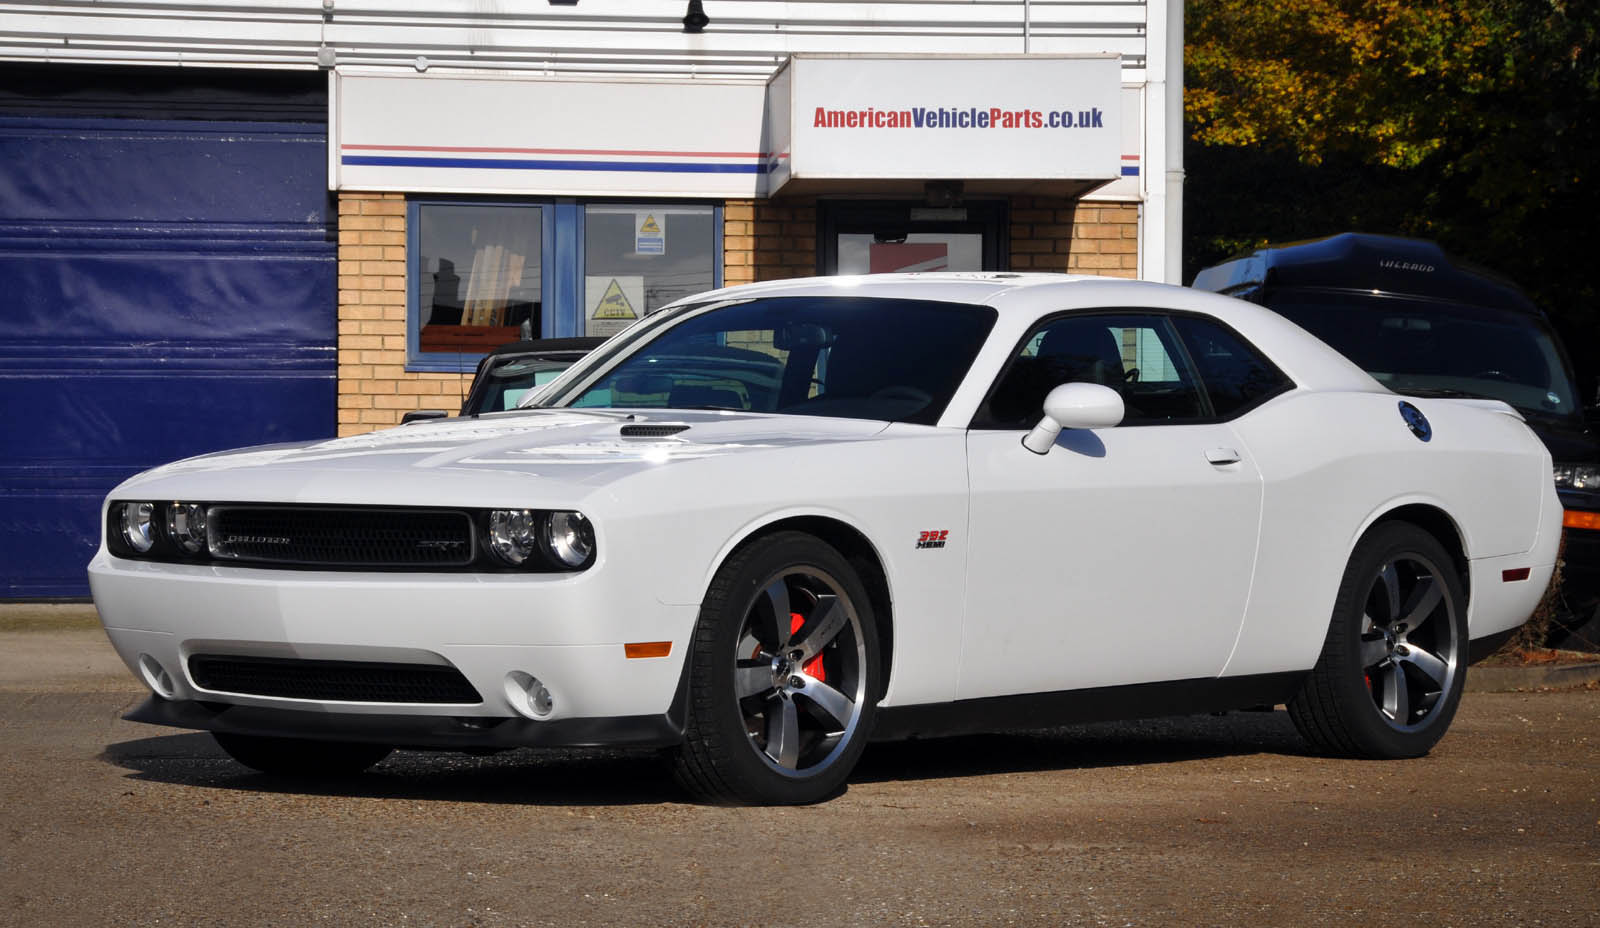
167 288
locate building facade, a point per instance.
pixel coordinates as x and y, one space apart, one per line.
241 223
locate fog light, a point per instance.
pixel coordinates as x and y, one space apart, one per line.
529 696
156 677
137 530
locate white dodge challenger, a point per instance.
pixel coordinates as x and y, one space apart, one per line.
769 523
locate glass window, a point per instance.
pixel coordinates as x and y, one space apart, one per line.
1430 347
1235 375
1137 356
479 276
640 258
856 358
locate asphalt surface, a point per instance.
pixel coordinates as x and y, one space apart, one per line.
1195 821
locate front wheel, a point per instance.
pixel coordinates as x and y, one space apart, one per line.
783 676
300 757
1394 663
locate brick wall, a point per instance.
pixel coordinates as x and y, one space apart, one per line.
768 240
1075 237
778 239
375 389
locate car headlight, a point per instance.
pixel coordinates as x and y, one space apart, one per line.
569 538
1577 477
566 539
138 528
512 535
186 526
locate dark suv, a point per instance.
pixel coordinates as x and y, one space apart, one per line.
1424 324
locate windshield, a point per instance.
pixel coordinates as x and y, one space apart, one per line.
850 357
507 380
1425 346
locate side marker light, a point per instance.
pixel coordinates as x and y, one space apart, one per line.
639 649
1574 518
1515 574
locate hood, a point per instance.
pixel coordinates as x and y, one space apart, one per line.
486 460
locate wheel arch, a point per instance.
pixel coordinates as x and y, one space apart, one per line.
1434 520
856 548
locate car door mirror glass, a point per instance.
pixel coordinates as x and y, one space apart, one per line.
1074 406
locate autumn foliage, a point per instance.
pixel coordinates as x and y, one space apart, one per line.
1472 122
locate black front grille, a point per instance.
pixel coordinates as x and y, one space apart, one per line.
341 537
337 681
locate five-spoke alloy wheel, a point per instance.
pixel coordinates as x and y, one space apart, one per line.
783 675
1392 668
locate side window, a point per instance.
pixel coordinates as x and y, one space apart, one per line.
1136 355
1236 376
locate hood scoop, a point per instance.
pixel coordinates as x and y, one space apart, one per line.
652 431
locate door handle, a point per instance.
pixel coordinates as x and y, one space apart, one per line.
1222 456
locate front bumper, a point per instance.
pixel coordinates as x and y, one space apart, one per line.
568 631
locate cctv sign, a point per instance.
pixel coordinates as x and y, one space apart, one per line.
972 117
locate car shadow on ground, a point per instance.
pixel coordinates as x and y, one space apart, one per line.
613 777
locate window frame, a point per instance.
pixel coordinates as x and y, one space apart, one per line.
979 416
562 258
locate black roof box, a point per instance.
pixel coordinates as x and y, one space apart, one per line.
1356 261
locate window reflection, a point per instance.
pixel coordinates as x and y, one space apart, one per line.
480 280
639 258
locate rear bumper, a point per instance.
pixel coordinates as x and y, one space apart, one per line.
446 733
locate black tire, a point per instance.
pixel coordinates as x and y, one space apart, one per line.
300 757
752 734
1394 663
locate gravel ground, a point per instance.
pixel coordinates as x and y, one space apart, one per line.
1195 821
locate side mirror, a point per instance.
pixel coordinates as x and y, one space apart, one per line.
1074 406
422 415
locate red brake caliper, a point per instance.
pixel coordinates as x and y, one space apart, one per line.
813 667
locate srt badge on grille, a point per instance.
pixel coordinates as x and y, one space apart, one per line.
441 545
256 540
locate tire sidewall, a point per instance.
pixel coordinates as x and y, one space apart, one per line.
1365 724
713 668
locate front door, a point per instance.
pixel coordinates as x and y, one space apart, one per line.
1125 554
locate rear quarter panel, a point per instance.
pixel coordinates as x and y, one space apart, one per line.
1335 463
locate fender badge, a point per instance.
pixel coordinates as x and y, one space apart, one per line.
1416 421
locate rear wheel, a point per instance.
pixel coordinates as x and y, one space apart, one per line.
300 757
783 676
1394 663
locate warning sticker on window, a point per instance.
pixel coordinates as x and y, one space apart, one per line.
611 303
649 234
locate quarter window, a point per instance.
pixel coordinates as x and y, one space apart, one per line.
1236 376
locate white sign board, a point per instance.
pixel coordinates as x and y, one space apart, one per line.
424 132
972 118
650 233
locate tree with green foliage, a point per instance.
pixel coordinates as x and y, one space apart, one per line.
1472 122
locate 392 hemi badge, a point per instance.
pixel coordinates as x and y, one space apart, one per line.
934 539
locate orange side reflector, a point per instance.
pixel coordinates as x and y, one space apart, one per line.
1577 519
638 649
1515 574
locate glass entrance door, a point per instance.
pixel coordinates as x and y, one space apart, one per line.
886 237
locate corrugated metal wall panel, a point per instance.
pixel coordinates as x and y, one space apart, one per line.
170 290
746 38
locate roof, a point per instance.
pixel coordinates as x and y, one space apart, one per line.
1371 263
